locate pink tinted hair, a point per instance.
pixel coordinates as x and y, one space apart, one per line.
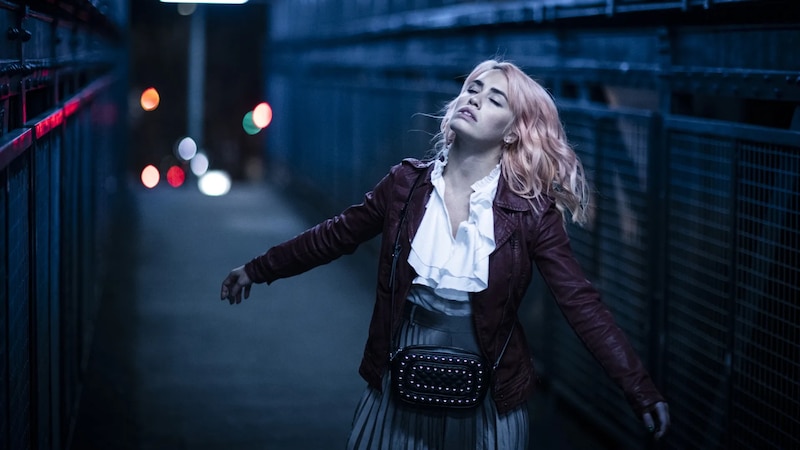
540 162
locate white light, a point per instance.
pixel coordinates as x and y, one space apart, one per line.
150 176
219 2
199 164
187 148
214 183
186 9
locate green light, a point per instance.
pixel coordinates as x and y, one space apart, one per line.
248 125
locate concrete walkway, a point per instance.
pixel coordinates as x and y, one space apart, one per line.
173 367
277 371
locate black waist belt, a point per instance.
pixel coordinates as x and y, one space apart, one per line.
416 314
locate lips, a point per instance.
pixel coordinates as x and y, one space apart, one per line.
467 113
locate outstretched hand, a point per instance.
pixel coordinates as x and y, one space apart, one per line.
236 284
660 423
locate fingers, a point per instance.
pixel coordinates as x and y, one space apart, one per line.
231 290
661 411
237 292
236 298
236 285
647 418
225 291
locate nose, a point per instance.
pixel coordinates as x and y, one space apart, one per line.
473 100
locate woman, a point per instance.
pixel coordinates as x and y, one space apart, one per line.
470 224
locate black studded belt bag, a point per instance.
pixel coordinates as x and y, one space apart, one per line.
434 376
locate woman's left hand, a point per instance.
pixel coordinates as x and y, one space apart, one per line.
660 423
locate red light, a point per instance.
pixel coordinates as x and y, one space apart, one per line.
176 176
262 115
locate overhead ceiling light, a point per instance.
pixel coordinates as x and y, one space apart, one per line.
217 2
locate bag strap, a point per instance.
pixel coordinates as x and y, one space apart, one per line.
503 352
397 247
395 256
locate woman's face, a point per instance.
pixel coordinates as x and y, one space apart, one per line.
482 112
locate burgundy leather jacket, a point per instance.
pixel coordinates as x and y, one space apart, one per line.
524 234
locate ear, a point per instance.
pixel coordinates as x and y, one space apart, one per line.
510 138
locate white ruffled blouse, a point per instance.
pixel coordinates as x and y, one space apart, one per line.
455 266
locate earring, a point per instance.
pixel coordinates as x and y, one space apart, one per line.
508 140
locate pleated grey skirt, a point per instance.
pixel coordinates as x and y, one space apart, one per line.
383 422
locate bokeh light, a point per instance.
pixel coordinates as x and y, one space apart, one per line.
262 115
176 176
249 126
219 2
150 99
150 176
199 164
187 148
186 9
214 183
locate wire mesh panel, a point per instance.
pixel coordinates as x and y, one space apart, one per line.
69 271
54 259
766 371
613 250
87 301
700 269
42 265
733 337
359 132
623 223
571 365
582 135
554 345
18 337
623 229
3 300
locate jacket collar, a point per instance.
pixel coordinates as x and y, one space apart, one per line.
417 163
507 199
505 202
504 197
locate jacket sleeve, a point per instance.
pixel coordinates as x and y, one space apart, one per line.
591 320
326 241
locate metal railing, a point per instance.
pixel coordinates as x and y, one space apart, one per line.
334 19
60 172
694 247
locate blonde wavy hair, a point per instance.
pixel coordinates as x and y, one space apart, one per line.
540 162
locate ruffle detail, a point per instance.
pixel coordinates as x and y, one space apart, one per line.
455 266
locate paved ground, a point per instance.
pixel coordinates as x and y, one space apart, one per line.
173 367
